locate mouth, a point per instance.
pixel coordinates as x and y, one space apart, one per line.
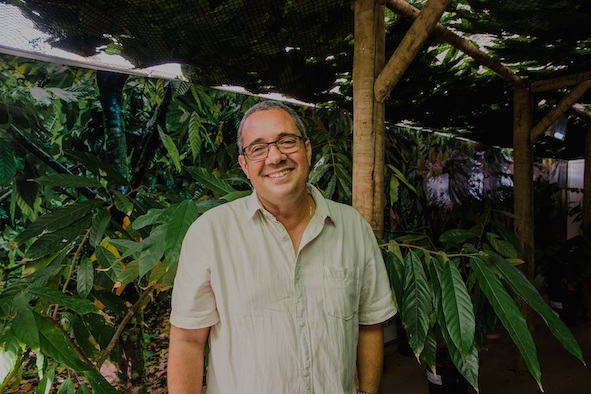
279 174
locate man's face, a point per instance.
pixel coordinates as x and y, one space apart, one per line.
279 176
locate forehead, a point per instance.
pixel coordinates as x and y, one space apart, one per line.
268 123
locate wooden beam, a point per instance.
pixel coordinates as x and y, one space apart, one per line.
368 114
556 112
559 82
411 13
409 47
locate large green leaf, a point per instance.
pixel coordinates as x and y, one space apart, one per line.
395 268
176 228
7 163
210 181
54 241
24 322
416 303
100 223
46 383
98 167
122 202
78 305
9 353
171 148
457 236
520 285
149 218
67 180
153 248
457 308
194 130
509 314
57 219
504 248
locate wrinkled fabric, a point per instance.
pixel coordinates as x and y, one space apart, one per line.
280 322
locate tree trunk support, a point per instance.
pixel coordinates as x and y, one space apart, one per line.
409 47
556 112
368 114
410 13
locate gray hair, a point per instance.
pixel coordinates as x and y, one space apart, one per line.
265 105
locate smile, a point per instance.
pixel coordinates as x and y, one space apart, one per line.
279 174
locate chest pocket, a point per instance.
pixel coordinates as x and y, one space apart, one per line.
341 291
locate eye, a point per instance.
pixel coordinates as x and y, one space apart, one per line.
256 149
287 141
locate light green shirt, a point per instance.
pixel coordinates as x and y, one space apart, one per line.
280 322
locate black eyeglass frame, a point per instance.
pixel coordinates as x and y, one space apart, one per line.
299 137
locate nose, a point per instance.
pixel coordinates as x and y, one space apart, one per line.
275 155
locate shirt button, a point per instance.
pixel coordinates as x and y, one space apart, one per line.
302 323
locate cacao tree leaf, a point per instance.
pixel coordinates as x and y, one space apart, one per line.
171 148
236 195
57 240
504 248
46 383
210 181
98 382
67 387
457 236
176 228
24 322
7 163
100 223
153 249
521 286
122 202
84 278
149 218
78 305
509 314
130 273
9 353
194 130
458 309
416 303
98 167
67 180
57 219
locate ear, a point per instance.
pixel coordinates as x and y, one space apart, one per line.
244 165
309 152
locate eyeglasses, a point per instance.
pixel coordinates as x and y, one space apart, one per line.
287 144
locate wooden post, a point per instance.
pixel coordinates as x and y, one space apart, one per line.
409 47
523 186
368 114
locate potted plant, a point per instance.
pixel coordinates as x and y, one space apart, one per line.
451 296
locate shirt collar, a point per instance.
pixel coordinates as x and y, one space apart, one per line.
253 205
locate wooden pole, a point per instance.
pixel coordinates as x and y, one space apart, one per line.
523 196
559 82
556 112
368 114
409 47
411 13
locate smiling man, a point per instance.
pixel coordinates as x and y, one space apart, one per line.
289 288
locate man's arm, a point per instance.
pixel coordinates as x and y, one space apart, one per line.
185 360
370 357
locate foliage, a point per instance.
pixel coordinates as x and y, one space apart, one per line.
85 248
453 294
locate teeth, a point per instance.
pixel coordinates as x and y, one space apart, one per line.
278 174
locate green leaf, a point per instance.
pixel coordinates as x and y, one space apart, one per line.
130 273
9 353
57 240
24 322
504 248
46 383
98 167
153 249
98 382
210 181
57 219
457 309
509 314
83 389
400 176
170 148
67 180
122 202
78 305
236 195
100 223
416 303
318 170
522 287
84 278
394 186
7 163
176 228
67 387
395 268
457 236
195 140
149 218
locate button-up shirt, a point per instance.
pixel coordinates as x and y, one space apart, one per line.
281 322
